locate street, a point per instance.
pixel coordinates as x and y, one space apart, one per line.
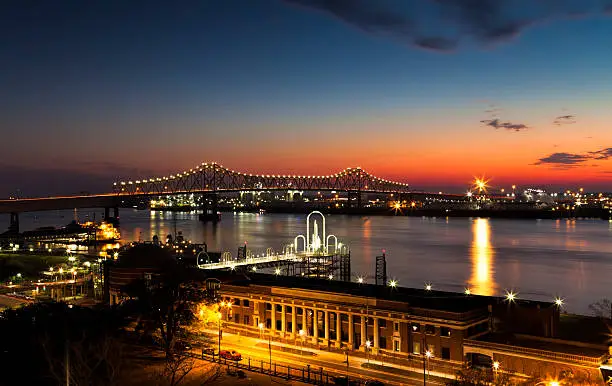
359 368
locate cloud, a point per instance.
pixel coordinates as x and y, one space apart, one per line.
498 124
602 154
486 21
566 160
565 120
563 159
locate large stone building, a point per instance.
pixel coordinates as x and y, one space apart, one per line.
525 339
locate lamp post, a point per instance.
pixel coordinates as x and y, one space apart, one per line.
261 328
495 369
302 334
426 355
219 322
368 344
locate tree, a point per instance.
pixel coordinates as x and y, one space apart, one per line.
45 334
167 300
602 309
477 377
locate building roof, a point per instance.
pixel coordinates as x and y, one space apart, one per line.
555 345
415 298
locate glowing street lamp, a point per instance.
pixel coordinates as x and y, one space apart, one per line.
360 280
559 302
277 271
368 345
496 365
219 316
511 296
392 283
467 291
428 286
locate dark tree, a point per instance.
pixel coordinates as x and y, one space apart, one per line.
166 300
45 337
602 309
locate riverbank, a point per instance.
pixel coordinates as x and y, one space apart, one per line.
29 266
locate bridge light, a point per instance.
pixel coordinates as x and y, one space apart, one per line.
428 287
467 291
510 296
559 302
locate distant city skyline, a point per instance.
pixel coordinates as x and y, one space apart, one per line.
429 93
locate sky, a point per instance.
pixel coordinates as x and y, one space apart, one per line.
428 92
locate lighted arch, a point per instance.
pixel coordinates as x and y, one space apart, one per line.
226 256
335 243
295 243
308 227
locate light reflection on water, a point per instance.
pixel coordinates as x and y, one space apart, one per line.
482 281
539 259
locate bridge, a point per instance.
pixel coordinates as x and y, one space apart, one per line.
207 178
212 178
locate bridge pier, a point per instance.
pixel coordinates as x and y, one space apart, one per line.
354 196
14 224
115 218
210 211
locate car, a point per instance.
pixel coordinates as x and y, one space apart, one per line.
208 351
231 355
182 345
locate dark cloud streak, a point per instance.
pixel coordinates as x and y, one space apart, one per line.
498 124
568 160
565 120
487 21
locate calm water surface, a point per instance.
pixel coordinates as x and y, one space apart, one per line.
537 259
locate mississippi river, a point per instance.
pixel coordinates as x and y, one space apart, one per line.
538 259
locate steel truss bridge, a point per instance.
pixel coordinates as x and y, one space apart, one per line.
212 177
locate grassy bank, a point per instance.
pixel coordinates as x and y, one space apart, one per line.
29 266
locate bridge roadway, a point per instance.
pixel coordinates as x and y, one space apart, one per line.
56 203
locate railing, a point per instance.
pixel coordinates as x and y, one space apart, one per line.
572 358
252 261
306 374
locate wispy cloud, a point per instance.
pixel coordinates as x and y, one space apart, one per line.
498 124
487 21
568 160
565 120
602 154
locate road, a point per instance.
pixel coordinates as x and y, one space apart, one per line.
258 351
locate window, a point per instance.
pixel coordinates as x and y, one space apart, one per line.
445 353
395 326
268 323
288 309
396 345
236 302
429 329
279 325
268 306
279 308
300 311
382 342
245 302
236 318
382 323
415 327
416 348
445 332
246 320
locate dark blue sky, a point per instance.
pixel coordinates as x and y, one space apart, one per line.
93 91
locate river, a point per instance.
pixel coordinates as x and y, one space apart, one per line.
538 259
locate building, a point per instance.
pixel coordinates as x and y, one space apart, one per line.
525 339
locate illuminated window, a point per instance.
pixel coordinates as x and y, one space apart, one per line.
396 345
416 348
445 332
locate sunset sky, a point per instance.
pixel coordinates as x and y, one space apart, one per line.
428 92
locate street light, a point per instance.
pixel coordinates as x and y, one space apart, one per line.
302 334
495 369
219 322
368 344
261 328
426 355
